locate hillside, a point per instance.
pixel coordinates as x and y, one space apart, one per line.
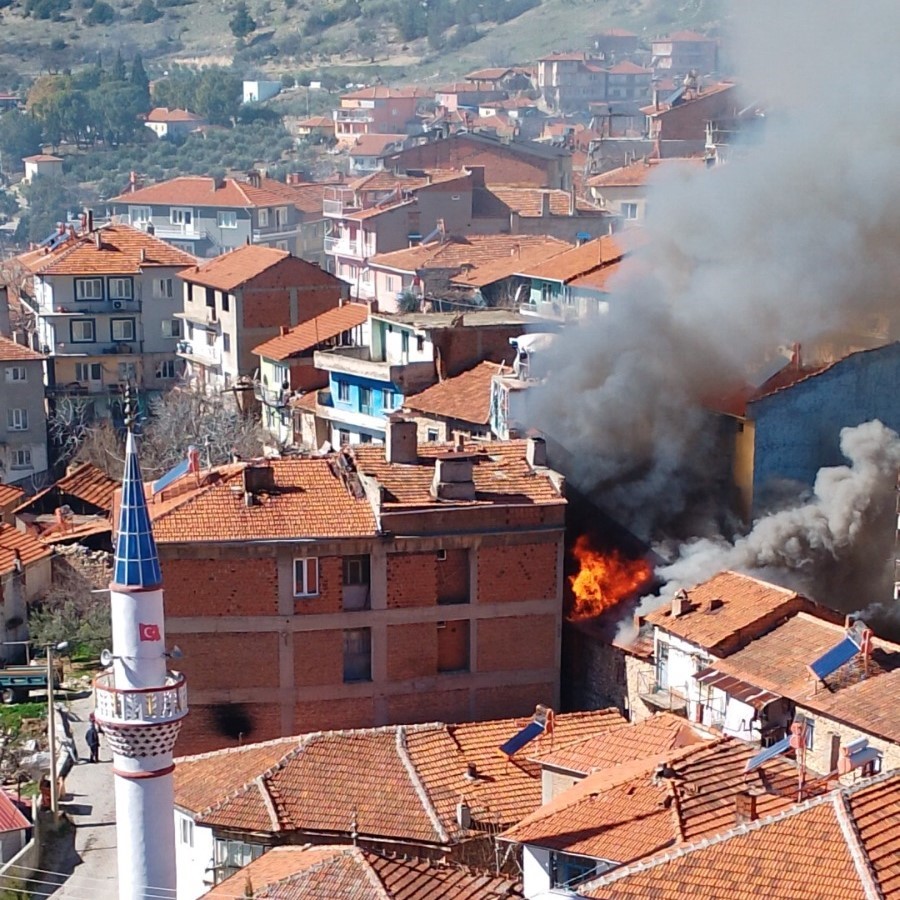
367 38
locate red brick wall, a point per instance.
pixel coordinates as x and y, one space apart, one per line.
220 587
318 658
329 598
513 700
411 579
432 706
517 572
462 348
516 644
467 520
228 660
412 651
200 732
334 715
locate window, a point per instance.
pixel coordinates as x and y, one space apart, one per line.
630 210
88 288
88 372
226 218
16 373
567 870
171 328
186 831
343 391
355 572
404 343
226 342
420 343
306 577
210 338
281 217
263 218
546 291
387 399
20 459
120 288
17 419
82 331
180 216
165 368
230 856
140 215
389 283
127 371
358 654
163 287
226 302
433 435
365 400
121 329
453 646
343 437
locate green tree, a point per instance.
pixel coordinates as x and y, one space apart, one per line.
218 95
146 12
101 14
242 23
140 80
20 135
49 198
115 108
118 70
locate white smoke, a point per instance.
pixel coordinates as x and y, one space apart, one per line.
795 241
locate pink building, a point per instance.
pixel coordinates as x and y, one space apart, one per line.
377 110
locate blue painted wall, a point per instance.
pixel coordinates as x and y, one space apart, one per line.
798 428
355 386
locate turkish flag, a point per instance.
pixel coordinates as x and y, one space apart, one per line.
149 632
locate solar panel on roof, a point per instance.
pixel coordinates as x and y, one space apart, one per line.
525 736
833 659
171 475
769 753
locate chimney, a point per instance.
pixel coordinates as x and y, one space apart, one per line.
714 603
545 204
258 479
471 771
460 442
513 221
284 329
680 604
572 205
255 178
98 239
453 478
143 254
536 452
477 173
90 220
744 807
463 815
401 443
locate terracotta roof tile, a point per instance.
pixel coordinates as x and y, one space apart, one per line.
492 271
626 67
197 190
383 92
316 122
30 548
11 819
309 500
655 735
123 250
655 112
376 144
351 873
164 114
640 173
310 334
528 202
500 472
490 74
42 157
10 351
624 813
398 782
745 601
578 261
844 844
10 495
86 482
387 180
466 397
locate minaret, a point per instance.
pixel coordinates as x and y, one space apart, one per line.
140 704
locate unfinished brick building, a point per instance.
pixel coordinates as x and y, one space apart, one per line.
392 584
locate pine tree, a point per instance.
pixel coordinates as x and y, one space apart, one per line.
242 23
139 77
118 69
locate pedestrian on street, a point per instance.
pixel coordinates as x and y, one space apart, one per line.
93 741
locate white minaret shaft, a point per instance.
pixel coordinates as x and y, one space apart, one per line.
140 705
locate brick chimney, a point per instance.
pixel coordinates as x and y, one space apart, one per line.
453 478
680 604
401 443
536 452
545 204
745 807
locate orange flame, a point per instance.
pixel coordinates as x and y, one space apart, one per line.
604 579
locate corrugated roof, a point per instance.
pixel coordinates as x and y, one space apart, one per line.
10 351
466 397
30 549
311 333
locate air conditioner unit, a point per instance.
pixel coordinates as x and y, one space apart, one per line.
118 304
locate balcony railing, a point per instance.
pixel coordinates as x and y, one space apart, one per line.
141 706
343 247
199 353
362 116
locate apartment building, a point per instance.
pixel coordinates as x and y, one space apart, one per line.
570 82
685 115
378 110
401 583
23 416
238 300
678 53
105 303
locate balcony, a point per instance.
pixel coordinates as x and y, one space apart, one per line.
277 398
553 310
339 201
662 696
199 353
179 231
340 246
408 377
353 116
146 706
204 316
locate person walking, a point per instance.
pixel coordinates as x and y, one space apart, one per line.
93 741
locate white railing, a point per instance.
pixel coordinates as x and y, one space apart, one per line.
147 705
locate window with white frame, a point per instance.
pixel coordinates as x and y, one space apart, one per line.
178 215
20 459
88 372
263 216
630 210
88 288
140 215
389 283
387 399
120 288
186 831
16 373
226 218
281 216
171 328
81 331
306 577
17 419
163 287
165 368
121 329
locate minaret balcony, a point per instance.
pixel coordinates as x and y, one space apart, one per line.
141 706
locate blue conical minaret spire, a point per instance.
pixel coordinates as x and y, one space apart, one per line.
137 562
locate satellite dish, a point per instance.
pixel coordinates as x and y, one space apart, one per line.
106 658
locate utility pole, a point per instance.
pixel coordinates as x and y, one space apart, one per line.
51 729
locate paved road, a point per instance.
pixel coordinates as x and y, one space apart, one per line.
90 802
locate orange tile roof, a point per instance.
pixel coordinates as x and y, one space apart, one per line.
397 782
10 351
164 114
655 735
471 250
466 397
376 144
578 261
778 662
500 472
639 173
528 202
313 332
745 602
197 190
627 813
10 495
845 844
308 197
30 549
309 501
383 92
316 122
42 157
328 872
123 250
626 67
489 74
492 271
86 482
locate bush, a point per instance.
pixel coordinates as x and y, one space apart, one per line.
101 14
146 12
